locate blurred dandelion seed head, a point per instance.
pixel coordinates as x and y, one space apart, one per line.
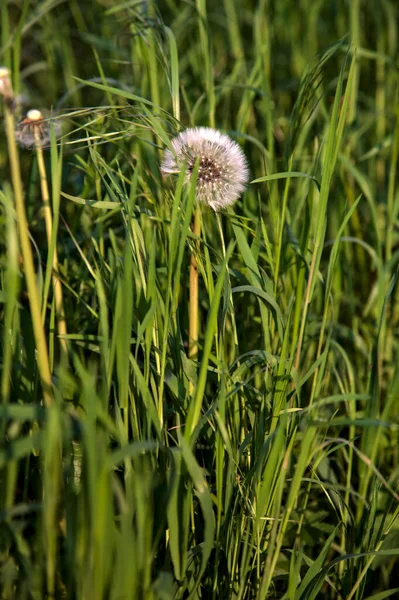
222 170
5 85
35 130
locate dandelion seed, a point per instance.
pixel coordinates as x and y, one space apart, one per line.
222 172
34 130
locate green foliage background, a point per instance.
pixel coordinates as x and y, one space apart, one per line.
269 469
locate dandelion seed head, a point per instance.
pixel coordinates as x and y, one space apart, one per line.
34 130
6 86
222 166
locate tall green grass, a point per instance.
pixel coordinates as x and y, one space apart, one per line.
268 468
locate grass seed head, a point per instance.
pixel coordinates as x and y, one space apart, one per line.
222 171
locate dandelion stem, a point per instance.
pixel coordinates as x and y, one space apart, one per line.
57 288
193 315
28 265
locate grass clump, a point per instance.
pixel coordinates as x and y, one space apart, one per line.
261 460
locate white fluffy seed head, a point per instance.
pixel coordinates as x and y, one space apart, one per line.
5 85
222 171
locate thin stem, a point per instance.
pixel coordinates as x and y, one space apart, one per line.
26 250
281 226
58 297
305 309
193 317
235 336
11 283
391 207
